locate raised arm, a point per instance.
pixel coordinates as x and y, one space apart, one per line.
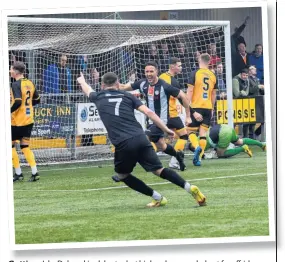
85 87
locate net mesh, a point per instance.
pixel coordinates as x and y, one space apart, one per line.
55 54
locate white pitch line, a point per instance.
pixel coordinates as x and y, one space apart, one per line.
120 187
99 166
88 167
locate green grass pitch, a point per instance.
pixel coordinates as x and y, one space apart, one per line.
74 203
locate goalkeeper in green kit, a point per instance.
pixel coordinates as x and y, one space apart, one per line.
221 136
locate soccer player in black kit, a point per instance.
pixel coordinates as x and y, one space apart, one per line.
158 95
116 110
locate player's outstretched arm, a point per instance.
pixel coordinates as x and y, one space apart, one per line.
126 87
156 120
186 103
85 87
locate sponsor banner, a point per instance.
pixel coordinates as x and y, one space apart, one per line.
89 121
54 121
245 110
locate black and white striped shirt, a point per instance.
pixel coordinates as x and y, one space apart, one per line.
157 96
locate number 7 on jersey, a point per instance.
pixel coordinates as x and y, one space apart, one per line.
117 106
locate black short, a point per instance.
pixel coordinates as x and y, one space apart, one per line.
154 133
19 132
175 123
135 150
214 133
206 114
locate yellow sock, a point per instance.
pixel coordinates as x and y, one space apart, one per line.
15 158
202 143
237 129
180 144
193 140
29 155
154 146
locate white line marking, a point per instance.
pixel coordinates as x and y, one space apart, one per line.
88 167
120 187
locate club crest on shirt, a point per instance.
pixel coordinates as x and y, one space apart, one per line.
151 91
156 92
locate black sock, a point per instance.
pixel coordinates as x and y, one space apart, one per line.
137 185
170 151
173 177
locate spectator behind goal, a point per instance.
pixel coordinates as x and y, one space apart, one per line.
256 59
57 77
240 60
241 84
222 89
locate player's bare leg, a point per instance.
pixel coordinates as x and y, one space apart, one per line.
29 155
173 177
18 176
169 150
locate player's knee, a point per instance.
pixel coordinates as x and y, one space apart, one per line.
24 146
153 139
164 171
192 130
122 176
184 137
203 130
239 142
181 132
158 172
161 144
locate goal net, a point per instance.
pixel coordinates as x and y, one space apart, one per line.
67 127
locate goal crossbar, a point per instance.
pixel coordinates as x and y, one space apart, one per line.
30 20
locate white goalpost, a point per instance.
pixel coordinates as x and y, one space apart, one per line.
67 127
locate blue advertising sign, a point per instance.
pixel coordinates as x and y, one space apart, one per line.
54 120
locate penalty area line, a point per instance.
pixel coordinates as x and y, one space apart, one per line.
120 187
